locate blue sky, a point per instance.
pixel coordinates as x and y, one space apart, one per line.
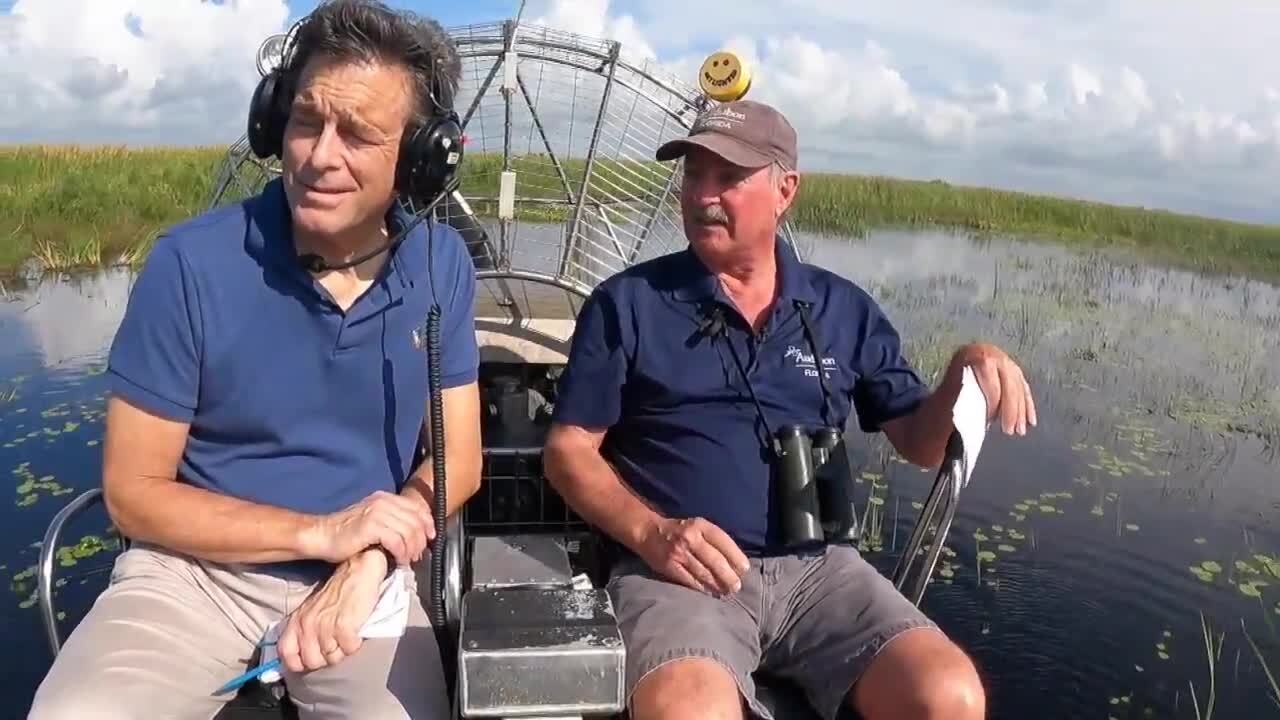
1145 102
450 13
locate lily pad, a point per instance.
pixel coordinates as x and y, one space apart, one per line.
1201 573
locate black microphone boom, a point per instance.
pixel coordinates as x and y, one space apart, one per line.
317 264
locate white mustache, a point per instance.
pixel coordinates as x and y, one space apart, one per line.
711 214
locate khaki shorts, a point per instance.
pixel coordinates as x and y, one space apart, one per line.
816 619
170 629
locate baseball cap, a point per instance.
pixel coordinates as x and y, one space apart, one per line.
744 132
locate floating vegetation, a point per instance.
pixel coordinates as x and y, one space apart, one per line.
871 526
30 486
1207 571
1162 647
1254 576
87 547
23 583
1143 446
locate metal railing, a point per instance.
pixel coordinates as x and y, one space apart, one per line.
944 498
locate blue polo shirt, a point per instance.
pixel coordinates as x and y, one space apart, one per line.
291 401
684 432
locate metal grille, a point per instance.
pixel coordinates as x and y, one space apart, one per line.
515 497
573 125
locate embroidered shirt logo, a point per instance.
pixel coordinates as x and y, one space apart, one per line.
804 361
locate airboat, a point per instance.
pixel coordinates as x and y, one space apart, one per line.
559 191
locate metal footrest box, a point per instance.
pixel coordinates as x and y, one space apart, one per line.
526 652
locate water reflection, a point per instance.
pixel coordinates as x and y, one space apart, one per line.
62 321
1075 570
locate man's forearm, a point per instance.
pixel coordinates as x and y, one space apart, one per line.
590 486
924 435
462 479
208 525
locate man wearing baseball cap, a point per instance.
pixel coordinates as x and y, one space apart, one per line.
684 372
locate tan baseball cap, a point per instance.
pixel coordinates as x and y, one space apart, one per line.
745 132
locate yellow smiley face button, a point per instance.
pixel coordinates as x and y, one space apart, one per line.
724 77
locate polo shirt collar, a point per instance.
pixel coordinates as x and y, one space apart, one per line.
270 237
697 283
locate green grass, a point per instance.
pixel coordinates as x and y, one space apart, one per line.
70 207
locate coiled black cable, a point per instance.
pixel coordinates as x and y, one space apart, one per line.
438 469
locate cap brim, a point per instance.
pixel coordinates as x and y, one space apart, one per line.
731 150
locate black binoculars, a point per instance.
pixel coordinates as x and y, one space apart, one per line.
814 486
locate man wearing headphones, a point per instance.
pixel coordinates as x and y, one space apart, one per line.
268 396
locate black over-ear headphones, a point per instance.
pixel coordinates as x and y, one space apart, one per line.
430 154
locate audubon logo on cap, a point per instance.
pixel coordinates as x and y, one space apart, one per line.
722 117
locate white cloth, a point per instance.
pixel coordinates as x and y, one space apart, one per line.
389 618
969 415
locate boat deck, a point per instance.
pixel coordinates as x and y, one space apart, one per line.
520 320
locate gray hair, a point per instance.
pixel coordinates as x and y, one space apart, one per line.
776 172
367 30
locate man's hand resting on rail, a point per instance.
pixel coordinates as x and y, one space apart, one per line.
325 628
400 523
695 553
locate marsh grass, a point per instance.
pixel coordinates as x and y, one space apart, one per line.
70 206
1213 653
1266 667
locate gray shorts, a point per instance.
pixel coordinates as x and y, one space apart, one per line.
816 619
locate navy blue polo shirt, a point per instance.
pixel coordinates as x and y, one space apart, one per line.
684 432
291 402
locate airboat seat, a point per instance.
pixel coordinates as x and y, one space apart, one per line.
518 516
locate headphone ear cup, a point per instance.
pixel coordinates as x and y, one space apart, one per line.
267 117
429 158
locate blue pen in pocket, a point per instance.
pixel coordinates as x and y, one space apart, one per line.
237 682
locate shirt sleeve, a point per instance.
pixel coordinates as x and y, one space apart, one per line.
887 387
459 349
589 393
154 360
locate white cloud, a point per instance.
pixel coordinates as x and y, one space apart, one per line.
130 70
592 19
1175 105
